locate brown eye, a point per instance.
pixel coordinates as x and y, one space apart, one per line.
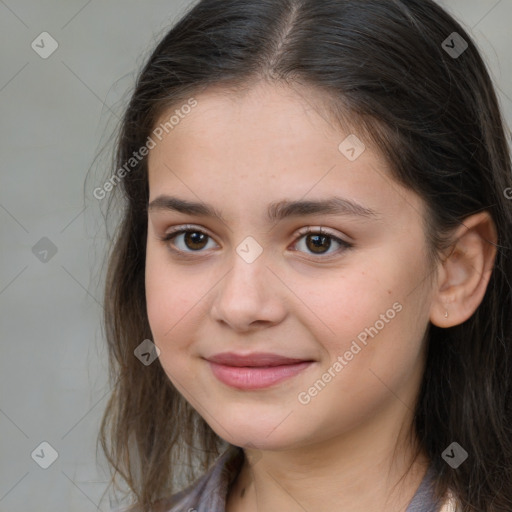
195 240
188 240
319 242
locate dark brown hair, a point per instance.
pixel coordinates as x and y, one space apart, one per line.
435 117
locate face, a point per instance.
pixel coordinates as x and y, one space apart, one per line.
348 306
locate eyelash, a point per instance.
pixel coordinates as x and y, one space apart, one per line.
304 232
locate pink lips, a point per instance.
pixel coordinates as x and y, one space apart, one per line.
255 371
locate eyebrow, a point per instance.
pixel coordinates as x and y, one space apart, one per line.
276 211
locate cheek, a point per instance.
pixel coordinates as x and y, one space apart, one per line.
177 298
347 302
170 300
170 297
370 315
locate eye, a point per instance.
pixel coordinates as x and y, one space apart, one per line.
193 240
319 241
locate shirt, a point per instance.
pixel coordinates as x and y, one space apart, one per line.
209 492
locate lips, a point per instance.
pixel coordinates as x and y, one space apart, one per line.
255 371
260 359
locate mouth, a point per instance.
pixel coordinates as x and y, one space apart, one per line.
255 371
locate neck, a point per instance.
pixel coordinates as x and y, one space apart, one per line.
352 473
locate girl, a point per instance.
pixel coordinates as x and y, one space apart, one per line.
308 302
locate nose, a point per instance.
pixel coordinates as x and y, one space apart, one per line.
249 296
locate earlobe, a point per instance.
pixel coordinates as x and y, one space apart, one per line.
464 274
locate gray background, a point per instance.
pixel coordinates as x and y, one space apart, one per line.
56 116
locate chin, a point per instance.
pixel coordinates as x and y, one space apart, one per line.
260 432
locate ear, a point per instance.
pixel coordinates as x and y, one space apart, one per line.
464 275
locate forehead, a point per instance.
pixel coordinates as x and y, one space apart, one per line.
268 142
289 110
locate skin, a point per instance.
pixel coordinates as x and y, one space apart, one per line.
239 152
